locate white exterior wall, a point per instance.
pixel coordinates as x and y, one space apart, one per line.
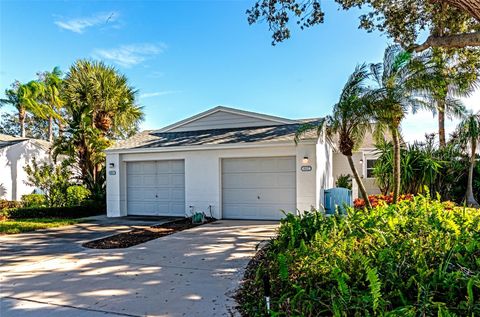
203 175
341 166
12 175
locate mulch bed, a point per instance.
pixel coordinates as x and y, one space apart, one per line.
141 235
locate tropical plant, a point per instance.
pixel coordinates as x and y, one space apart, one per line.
420 165
394 97
415 258
51 96
469 133
349 121
442 170
24 98
447 75
344 181
101 106
53 180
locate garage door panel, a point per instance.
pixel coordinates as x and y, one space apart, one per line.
142 208
258 188
177 194
156 188
178 180
141 193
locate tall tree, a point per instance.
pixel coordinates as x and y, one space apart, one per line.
24 98
51 96
394 98
469 133
101 106
349 121
449 23
447 75
35 128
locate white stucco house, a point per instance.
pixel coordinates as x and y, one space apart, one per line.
235 164
15 153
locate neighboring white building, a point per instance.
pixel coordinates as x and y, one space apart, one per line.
236 164
15 153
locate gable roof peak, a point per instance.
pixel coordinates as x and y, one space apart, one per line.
235 111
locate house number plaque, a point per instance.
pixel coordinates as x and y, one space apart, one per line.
306 168
112 172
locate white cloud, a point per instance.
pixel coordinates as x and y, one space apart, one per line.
158 93
415 126
78 25
129 55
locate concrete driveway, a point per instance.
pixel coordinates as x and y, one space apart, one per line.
190 273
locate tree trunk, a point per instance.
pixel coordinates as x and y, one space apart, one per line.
396 164
441 123
50 129
21 118
363 191
470 197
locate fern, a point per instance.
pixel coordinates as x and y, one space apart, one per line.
283 267
375 287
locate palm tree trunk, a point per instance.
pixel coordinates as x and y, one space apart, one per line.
441 123
50 129
470 197
21 119
363 191
396 164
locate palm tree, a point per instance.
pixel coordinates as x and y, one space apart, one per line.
446 76
469 134
394 97
349 121
101 106
24 97
52 82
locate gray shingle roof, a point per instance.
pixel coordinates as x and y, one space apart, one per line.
151 139
8 140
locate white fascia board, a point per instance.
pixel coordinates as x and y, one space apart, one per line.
229 110
206 147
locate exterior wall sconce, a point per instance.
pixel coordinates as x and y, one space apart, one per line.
111 165
305 160
361 161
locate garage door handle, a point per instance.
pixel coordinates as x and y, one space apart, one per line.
156 196
258 197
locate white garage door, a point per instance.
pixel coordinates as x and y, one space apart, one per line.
156 188
258 188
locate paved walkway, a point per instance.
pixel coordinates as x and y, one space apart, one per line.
33 246
190 273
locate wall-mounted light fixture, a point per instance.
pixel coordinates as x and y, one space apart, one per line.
305 160
111 165
361 161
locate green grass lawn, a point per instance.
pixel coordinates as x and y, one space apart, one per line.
12 226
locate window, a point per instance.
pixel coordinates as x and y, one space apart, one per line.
370 166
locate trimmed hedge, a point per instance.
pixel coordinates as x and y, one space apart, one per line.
86 210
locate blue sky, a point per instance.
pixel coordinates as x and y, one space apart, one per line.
187 56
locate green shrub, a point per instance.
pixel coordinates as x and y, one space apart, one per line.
76 195
86 210
344 181
5 204
34 200
53 180
415 258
